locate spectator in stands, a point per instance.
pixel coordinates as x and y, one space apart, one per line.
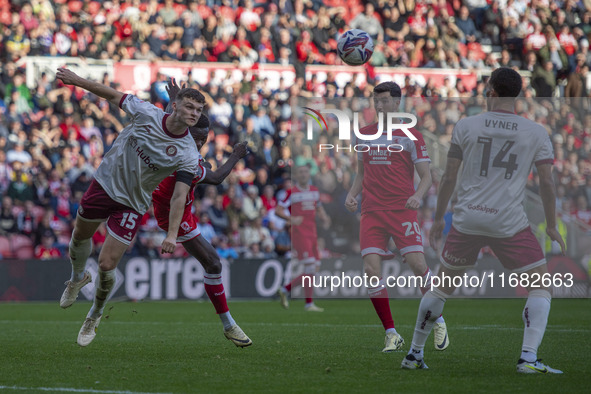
544 80
225 251
252 203
369 23
46 249
217 216
8 221
145 53
554 53
20 188
206 229
466 25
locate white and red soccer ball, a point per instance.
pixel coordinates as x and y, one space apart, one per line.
355 47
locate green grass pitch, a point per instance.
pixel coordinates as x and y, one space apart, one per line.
179 347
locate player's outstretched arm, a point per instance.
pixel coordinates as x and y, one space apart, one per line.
216 177
71 78
548 196
177 208
446 189
351 199
414 201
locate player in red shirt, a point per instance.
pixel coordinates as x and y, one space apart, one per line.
389 208
189 235
299 207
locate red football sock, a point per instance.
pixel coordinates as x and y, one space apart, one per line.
308 290
215 291
294 282
381 303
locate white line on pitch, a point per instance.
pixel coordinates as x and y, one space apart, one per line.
71 390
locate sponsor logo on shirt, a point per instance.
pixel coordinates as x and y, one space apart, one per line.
483 208
140 152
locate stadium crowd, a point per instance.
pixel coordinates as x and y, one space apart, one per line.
52 137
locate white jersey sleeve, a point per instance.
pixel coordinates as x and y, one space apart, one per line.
285 200
498 151
134 107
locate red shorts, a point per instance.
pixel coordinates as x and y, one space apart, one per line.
518 253
188 228
98 206
305 248
377 227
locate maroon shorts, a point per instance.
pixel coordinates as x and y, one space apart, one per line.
188 228
97 206
377 227
518 253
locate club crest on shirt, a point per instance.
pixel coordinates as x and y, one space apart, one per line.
171 150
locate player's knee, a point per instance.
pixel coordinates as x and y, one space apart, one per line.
81 234
213 265
107 264
371 269
416 262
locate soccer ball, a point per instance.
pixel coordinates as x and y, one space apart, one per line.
355 47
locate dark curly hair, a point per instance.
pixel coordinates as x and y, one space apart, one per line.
506 82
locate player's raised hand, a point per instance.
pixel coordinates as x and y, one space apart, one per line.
169 245
172 89
555 236
241 149
413 203
67 76
436 232
351 203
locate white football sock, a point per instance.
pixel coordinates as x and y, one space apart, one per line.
227 320
535 318
79 252
429 310
105 284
